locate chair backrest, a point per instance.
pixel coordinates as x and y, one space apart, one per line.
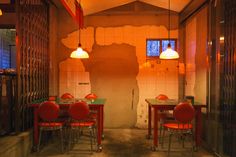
162 97
79 110
91 96
184 112
67 96
52 98
48 111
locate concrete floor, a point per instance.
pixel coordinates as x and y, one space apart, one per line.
119 143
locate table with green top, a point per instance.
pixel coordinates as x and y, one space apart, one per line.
158 105
96 105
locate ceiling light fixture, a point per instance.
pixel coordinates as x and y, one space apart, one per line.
79 52
169 53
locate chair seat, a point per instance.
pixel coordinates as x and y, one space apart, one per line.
82 124
178 126
50 124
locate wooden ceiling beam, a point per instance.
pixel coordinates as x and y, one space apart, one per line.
191 8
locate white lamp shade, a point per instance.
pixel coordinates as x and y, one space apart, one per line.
0 12
169 54
79 53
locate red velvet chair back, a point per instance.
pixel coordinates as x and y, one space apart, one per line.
79 110
162 97
48 111
52 98
67 96
184 112
91 96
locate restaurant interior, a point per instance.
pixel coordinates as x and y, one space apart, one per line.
130 64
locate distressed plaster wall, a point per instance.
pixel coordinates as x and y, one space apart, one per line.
117 67
73 78
201 57
107 56
196 56
190 47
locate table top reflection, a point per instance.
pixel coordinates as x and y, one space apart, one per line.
60 101
169 102
97 101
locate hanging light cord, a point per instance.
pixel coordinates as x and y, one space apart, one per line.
79 29
169 23
79 37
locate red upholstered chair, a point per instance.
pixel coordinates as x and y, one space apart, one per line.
163 116
48 113
184 114
67 96
162 97
92 97
79 113
52 98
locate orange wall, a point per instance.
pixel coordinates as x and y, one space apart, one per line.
117 67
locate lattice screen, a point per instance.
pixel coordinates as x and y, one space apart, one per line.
228 85
32 56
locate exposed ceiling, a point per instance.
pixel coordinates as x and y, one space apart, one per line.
94 6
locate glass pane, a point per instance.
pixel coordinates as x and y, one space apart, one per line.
153 48
165 44
7 48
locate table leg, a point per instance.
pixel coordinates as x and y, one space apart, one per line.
155 132
198 131
102 120
149 122
99 128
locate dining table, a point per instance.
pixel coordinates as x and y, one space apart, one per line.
96 105
155 105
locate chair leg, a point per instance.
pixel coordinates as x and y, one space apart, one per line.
66 135
61 140
163 135
91 139
40 135
70 139
77 135
160 134
183 139
95 134
192 143
169 144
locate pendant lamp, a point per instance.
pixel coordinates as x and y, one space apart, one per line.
79 52
169 53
